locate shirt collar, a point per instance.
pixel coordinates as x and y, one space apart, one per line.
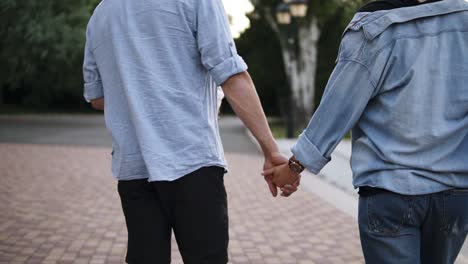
374 24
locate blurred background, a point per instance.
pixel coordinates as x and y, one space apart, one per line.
42 43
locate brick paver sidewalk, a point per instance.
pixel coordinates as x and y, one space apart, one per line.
60 205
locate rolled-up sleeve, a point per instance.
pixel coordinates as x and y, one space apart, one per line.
93 88
346 96
215 43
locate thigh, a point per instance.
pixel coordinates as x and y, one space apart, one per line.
446 227
149 232
389 228
201 217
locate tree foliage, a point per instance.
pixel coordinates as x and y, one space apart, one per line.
261 48
42 50
42 43
262 52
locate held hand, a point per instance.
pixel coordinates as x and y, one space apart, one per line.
271 161
283 177
289 189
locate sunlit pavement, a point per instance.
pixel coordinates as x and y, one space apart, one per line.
59 204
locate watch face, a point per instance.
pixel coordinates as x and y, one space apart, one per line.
295 168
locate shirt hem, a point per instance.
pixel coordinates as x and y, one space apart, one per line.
185 172
403 184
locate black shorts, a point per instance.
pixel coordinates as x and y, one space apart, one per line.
194 207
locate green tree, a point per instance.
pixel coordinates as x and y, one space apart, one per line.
42 51
309 63
262 52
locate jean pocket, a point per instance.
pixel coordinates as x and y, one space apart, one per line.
388 213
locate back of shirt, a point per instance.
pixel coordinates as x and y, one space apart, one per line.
157 64
401 84
418 59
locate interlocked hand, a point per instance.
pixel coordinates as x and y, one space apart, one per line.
277 174
282 176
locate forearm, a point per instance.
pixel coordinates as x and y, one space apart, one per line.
241 94
348 93
98 104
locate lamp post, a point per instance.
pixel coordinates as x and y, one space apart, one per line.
287 14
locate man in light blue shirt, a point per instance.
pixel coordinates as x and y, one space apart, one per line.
401 85
154 67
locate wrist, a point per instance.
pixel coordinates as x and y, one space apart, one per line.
295 166
270 150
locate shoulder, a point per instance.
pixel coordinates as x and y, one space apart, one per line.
96 12
93 21
99 7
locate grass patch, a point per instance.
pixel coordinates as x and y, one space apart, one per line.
279 130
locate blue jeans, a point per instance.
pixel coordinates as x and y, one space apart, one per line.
427 229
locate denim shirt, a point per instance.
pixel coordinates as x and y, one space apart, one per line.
401 85
158 64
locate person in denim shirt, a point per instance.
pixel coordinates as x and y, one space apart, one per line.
154 68
401 85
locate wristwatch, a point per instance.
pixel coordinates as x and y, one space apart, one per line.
295 166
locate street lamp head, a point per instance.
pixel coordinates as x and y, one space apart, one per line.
298 8
283 14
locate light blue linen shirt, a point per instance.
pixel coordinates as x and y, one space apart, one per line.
401 83
157 64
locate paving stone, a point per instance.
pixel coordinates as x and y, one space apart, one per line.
59 204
